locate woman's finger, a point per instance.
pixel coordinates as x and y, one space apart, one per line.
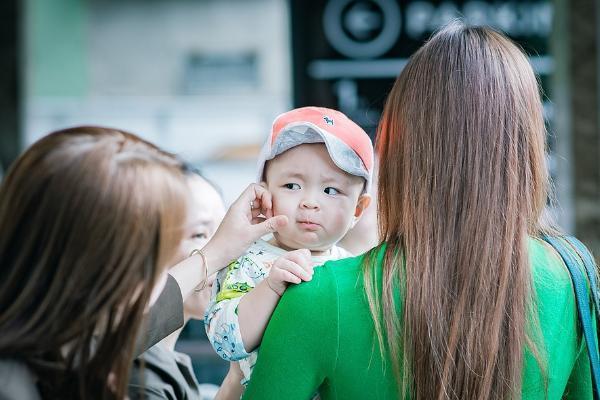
271 225
256 212
252 195
264 196
255 199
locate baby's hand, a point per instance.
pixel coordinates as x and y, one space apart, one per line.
293 267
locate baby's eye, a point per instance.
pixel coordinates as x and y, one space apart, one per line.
331 191
199 236
292 186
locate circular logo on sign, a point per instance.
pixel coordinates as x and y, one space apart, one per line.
362 28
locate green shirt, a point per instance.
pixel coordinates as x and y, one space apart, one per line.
322 336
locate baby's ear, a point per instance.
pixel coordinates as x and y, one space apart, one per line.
361 205
263 184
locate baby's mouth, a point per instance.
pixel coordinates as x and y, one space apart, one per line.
308 224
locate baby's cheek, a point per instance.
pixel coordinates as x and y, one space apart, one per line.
339 219
281 207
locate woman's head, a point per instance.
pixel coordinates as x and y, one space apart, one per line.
462 183
90 217
205 212
463 123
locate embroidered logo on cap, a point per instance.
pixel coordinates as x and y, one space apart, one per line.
328 121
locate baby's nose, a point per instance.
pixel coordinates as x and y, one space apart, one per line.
309 203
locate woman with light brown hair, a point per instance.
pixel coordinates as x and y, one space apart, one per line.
462 299
91 218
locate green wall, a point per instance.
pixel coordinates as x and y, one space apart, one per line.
56 36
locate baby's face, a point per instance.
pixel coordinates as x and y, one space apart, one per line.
321 201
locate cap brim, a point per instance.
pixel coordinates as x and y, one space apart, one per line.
298 133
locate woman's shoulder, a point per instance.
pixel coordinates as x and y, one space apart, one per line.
328 279
160 373
556 311
553 292
339 278
345 265
345 271
549 272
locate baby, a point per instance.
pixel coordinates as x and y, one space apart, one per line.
317 164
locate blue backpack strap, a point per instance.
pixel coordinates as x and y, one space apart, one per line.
590 268
568 248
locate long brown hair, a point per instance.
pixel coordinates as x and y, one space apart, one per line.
90 216
462 184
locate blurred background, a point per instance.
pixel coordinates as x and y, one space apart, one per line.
205 79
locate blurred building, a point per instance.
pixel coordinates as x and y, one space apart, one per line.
205 79
201 78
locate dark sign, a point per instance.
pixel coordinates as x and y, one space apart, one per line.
347 53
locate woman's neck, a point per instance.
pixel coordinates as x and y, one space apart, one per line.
170 341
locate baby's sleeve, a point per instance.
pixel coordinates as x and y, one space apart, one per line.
221 318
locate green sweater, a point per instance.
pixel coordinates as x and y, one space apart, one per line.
321 336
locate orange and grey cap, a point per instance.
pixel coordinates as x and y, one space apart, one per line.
349 146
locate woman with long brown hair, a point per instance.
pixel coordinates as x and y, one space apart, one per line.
461 300
91 218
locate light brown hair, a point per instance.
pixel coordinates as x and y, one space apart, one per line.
90 216
462 184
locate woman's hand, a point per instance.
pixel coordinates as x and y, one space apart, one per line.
249 218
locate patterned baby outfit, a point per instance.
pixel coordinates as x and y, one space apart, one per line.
233 282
